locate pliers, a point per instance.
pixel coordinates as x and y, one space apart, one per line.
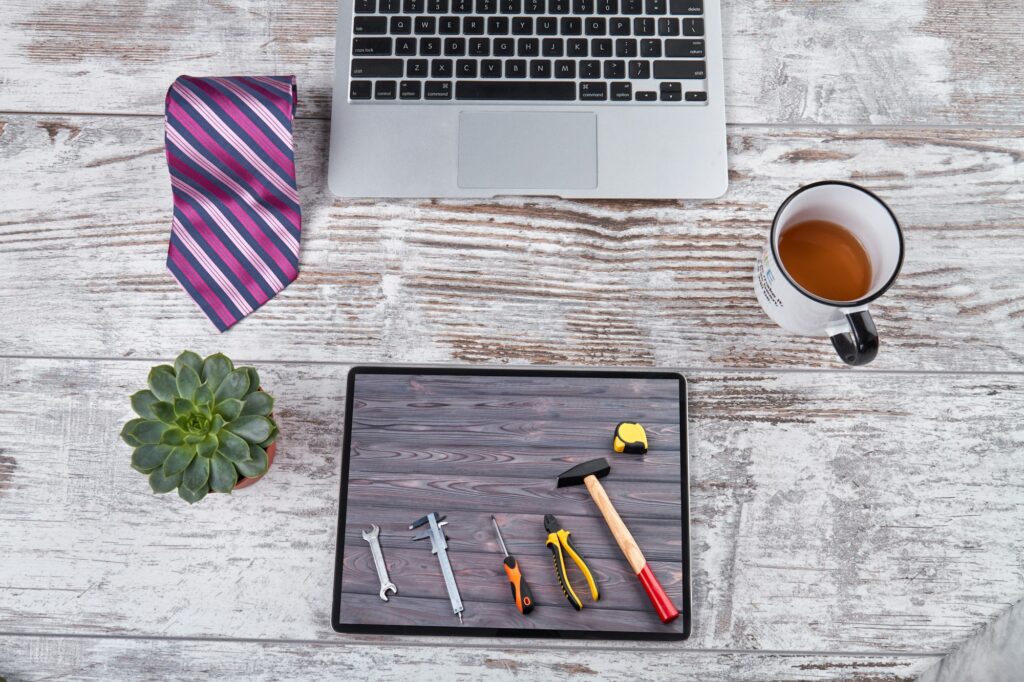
558 543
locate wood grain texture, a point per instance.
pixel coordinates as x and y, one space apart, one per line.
34 659
831 512
84 237
925 61
412 412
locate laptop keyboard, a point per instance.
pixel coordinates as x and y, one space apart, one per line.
528 50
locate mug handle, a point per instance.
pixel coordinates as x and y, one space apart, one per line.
859 345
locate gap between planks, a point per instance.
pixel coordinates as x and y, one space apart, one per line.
479 643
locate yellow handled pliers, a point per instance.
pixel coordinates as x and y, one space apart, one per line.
559 544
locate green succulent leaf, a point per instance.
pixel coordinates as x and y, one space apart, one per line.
215 368
230 408
258 403
197 474
163 484
235 385
128 432
216 424
192 496
180 457
194 439
188 382
270 439
254 378
163 383
183 407
149 431
204 396
188 359
208 446
142 403
223 475
257 464
163 411
232 447
146 458
253 428
173 436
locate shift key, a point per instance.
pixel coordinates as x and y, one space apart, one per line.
378 68
678 69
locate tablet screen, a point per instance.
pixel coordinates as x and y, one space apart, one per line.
468 445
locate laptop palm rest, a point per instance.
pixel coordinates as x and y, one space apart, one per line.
527 150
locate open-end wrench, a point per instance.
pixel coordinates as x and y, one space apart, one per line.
378 561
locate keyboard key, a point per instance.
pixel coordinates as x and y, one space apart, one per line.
371 46
462 6
497 26
540 68
670 87
614 69
465 68
441 68
565 68
377 68
625 48
480 47
590 68
669 96
486 6
535 6
473 26
413 6
686 6
552 47
583 6
490 68
643 26
619 26
504 47
668 26
449 26
529 47
695 96
416 68
607 6
454 47
656 7
437 6
512 6
679 70
693 27
409 90
360 89
523 90
438 90
370 26
596 26
632 6
646 96
622 92
650 48
401 25
571 26
684 48
425 25
558 6
385 90
590 91
601 47
522 26
365 6
577 47
639 70
547 26
429 47
515 68
389 6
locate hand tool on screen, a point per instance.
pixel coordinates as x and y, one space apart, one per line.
520 589
439 546
378 561
630 438
559 544
588 474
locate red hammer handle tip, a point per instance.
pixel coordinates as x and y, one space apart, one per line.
667 611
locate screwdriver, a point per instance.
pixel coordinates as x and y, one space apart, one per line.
520 590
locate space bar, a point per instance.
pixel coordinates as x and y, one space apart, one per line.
521 90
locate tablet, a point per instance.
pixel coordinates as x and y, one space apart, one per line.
467 444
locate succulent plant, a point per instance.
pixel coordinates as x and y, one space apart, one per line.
203 425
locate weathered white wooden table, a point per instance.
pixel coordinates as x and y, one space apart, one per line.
846 524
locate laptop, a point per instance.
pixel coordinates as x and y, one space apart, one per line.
569 98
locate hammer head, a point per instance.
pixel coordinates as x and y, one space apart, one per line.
595 467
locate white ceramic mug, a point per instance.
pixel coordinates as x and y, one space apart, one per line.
847 323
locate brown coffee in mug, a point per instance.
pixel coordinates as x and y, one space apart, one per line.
826 259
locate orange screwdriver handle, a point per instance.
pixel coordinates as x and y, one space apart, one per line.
520 589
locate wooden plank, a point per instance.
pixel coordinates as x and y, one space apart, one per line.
31 659
831 512
863 62
84 237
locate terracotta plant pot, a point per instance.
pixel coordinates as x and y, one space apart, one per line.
271 451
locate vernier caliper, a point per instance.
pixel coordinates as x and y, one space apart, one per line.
438 546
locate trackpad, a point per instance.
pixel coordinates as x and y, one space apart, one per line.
527 150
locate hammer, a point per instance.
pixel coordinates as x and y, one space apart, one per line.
587 474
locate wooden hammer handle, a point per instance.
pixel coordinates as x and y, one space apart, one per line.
662 604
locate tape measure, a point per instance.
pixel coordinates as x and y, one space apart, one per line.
630 438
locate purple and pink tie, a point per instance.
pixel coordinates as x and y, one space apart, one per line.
237 222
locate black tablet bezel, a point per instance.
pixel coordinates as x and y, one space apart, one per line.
446 630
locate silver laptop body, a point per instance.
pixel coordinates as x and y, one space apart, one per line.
484 98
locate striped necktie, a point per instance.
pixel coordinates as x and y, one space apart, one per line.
235 233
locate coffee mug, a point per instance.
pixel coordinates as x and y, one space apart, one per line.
845 249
